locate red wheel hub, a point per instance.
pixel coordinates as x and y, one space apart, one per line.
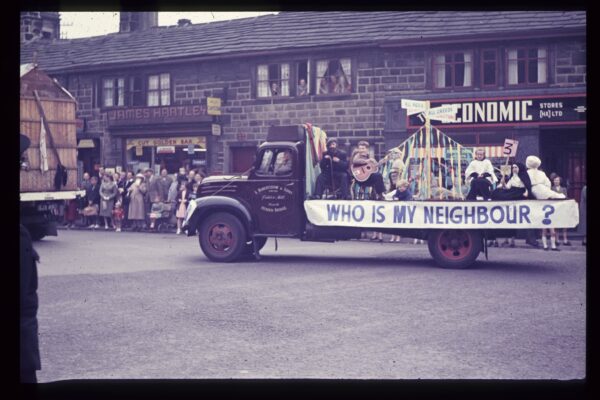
220 237
455 244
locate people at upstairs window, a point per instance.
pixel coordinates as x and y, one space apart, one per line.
342 85
334 171
274 89
480 175
302 89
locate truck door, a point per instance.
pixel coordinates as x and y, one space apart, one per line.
277 195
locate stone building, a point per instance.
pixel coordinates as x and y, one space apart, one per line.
146 93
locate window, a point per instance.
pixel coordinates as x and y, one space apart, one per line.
302 79
527 66
489 67
453 70
136 91
273 80
113 92
159 90
275 162
334 76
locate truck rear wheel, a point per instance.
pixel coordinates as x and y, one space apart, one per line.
455 248
222 237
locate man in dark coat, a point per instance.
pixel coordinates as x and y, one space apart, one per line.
29 346
334 165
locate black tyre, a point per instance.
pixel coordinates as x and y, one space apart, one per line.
222 237
249 249
36 232
455 248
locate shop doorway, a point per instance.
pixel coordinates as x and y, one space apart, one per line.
242 158
564 151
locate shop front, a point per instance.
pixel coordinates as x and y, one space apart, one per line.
162 137
168 152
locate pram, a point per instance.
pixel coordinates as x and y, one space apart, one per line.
164 216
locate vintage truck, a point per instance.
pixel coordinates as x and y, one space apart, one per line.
234 215
47 118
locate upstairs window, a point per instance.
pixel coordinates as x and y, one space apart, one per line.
159 90
334 76
527 66
489 67
302 79
113 92
136 91
273 80
453 70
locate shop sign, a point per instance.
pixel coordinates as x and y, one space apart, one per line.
165 149
511 111
213 105
156 115
168 141
216 129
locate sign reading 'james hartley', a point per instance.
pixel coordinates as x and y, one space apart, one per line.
157 115
533 110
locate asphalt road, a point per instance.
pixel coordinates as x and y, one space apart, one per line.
141 305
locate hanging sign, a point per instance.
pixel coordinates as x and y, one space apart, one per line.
523 214
213 105
165 150
413 106
190 149
216 129
139 150
510 148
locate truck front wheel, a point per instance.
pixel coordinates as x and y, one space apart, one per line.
455 248
222 237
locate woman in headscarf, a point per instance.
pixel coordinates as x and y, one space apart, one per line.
108 192
136 202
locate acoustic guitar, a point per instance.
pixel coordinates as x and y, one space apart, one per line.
362 172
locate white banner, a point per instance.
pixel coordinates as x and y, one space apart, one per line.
443 113
520 214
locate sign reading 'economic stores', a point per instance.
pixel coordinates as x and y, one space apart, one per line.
514 111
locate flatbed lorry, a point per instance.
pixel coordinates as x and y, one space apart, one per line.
234 215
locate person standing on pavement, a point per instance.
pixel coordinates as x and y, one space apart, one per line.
29 348
182 201
559 188
582 228
137 214
92 195
129 179
108 193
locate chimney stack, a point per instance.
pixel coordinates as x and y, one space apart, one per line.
137 21
39 25
184 22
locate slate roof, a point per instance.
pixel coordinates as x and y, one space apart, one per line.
290 30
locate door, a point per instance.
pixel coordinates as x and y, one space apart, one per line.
276 192
242 159
576 173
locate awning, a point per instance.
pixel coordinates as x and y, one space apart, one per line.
86 144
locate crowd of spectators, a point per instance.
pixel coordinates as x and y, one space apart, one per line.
137 202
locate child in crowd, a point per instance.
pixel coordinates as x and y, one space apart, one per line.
118 214
402 193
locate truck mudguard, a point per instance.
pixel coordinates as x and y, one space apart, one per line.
204 205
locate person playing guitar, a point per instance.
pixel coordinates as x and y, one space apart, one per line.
364 169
